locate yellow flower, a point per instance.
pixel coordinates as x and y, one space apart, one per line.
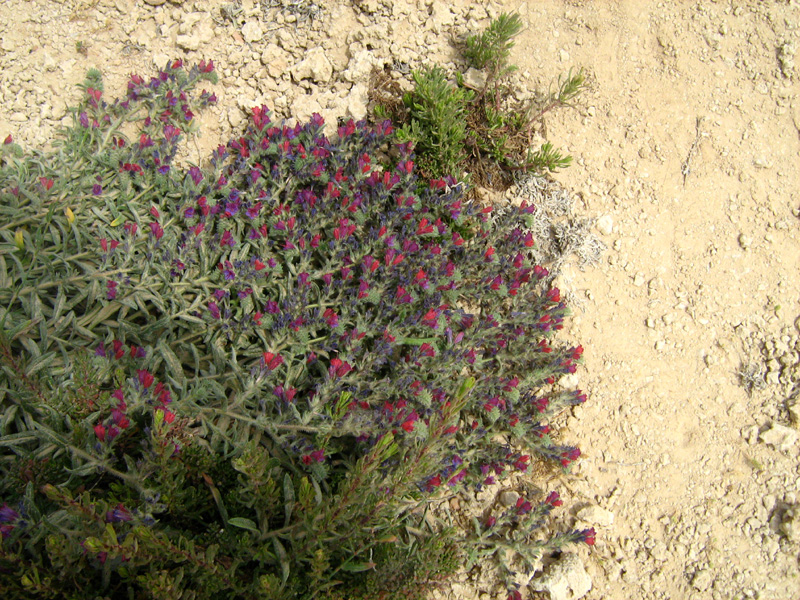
70 215
19 240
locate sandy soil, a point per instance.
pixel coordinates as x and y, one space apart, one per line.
687 152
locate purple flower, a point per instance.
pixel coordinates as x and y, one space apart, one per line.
101 351
213 309
84 119
120 513
196 174
97 189
8 514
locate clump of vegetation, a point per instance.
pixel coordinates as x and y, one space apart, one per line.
249 378
483 132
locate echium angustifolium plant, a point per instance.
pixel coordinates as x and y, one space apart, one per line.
242 378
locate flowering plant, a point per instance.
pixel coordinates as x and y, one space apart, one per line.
246 376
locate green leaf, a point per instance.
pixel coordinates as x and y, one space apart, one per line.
243 523
282 558
173 364
288 497
39 363
358 567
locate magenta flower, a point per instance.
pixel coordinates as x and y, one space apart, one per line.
331 318
227 239
145 378
214 310
196 174
427 350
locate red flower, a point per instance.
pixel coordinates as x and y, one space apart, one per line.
588 536
145 378
271 361
553 499
156 230
339 368
46 183
100 432
523 506
424 227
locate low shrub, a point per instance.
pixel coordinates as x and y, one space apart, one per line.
251 377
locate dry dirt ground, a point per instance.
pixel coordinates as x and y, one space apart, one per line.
687 152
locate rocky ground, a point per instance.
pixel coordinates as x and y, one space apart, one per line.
687 153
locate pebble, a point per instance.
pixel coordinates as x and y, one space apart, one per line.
565 579
605 225
596 515
745 241
509 498
252 32
790 524
779 436
315 66
702 580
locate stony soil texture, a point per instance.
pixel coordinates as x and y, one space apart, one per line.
687 153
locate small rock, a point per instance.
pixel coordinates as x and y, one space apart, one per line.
315 67
154 2
793 406
475 79
779 436
702 580
276 60
188 42
509 498
565 579
659 552
790 524
235 117
605 225
252 32
745 241
360 66
596 515
569 381
304 106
